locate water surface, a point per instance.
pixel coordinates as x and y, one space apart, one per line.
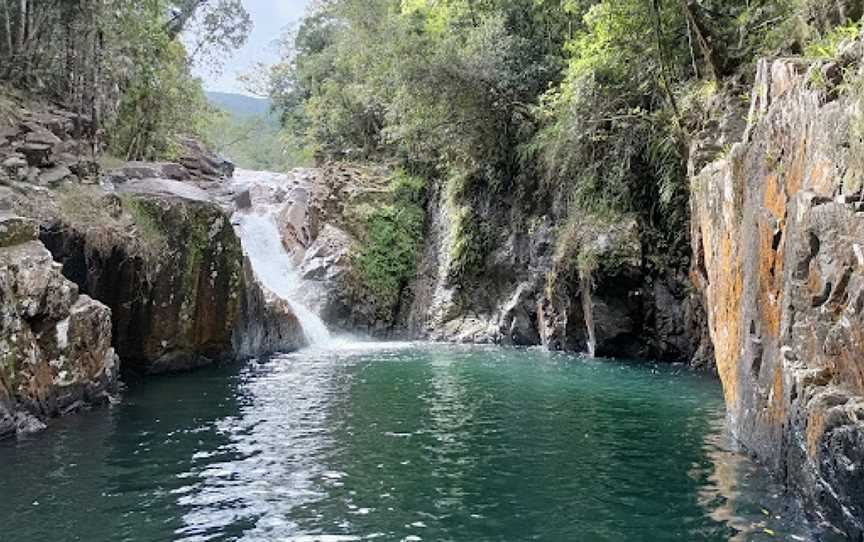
406 442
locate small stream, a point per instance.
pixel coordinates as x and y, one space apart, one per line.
397 442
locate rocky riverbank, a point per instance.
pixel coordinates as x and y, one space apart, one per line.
777 235
163 283
139 266
55 343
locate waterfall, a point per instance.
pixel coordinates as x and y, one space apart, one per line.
276 272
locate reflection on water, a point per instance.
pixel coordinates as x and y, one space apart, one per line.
399 442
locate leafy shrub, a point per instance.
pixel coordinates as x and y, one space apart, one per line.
388 259
826 46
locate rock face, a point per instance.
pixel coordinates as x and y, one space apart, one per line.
321 217
525 296
196 165
176 292
55 345
778 231
596 295
267 323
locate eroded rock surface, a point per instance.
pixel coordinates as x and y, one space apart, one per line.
779 234
595 295
174 285
55 344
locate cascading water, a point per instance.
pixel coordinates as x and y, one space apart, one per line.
273 265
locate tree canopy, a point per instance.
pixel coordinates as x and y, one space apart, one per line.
591 102
119 62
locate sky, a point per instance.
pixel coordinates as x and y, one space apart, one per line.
269 18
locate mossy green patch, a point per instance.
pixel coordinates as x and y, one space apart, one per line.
471 236
390 244
151 233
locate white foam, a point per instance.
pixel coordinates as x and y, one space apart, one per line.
276 272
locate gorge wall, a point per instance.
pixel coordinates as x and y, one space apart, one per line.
531 292
778 228
775 290
773 295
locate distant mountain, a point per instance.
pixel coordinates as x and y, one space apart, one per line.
240 105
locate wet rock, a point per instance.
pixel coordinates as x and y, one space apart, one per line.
267 322
327 269
243 201
776 262
519 318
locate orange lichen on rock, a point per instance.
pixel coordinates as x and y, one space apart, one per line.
815 430
777 408
821 181
725 308
794 178
774 198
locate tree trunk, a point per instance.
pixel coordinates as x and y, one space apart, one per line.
661 57
700 31
22 23
10 48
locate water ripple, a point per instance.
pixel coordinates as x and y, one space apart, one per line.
400 442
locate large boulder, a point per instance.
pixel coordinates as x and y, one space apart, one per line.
777 233
55 344
203 163
174 284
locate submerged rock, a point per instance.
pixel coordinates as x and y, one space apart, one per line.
55 344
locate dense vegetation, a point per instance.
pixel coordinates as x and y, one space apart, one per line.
120 64
247 132
586 108
393 235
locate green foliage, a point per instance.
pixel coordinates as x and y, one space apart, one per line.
826 46
254 142
471 235
119 64
589 105
388 259
159 105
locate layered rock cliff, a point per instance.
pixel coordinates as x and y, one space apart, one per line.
778 231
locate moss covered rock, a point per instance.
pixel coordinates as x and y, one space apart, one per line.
174 284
